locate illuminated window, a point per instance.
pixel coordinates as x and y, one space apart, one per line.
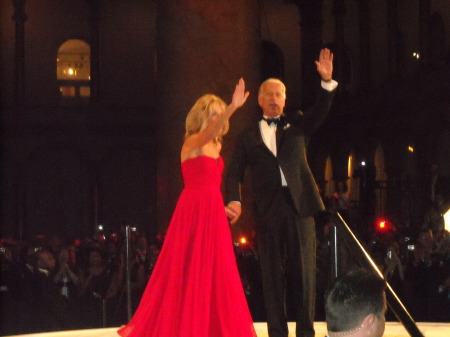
73 69
67 91
85 91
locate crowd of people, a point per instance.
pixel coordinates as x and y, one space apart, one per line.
416 263
52 283
414 259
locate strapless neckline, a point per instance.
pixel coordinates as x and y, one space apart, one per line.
203 156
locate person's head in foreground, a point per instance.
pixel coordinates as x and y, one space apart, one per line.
355 305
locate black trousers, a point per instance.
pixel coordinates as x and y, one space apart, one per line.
288 255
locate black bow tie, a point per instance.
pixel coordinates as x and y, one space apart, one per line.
271 121
275 121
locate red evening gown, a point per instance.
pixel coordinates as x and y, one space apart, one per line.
195 289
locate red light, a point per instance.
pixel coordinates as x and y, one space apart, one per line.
243 240
382 225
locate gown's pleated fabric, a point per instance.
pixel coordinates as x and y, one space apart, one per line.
195 289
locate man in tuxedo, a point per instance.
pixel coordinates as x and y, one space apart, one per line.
285 198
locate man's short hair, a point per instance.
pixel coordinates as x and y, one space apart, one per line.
272 80
353 297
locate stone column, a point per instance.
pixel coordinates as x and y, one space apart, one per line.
20 18
424 29
203 47
94 20
393 38
339 12
311 43
365 78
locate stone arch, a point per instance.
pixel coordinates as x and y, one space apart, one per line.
272 61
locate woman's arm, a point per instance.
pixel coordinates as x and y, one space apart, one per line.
200 139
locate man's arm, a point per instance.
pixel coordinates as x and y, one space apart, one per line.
233 178
317 113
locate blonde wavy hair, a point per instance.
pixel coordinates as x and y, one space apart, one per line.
197 118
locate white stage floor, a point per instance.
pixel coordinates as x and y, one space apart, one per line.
393 329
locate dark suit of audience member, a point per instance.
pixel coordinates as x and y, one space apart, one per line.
437 185
49 304
21 288
38 304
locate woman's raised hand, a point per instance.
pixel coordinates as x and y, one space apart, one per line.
239 95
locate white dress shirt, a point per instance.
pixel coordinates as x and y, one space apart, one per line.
268 134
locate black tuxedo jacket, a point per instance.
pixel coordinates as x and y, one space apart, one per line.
251 153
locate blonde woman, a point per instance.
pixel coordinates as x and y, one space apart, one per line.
195 288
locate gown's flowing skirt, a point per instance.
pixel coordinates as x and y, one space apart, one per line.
195 289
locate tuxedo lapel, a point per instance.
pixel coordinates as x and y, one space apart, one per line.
257 137
280 134
256 132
